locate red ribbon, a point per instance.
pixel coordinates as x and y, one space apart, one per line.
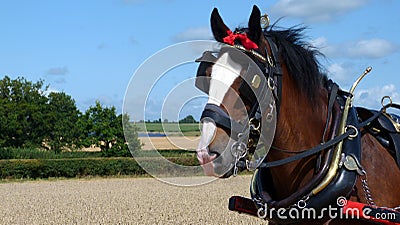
242 37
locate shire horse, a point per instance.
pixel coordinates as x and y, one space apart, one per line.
308 107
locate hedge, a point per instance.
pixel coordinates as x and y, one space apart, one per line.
33 153
46 168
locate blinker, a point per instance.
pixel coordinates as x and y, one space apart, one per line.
250 72
203 77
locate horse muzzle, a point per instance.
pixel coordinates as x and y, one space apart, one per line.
213 164
212 152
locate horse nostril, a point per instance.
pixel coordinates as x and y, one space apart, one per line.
204 156
213 154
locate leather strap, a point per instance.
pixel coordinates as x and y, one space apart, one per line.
274 71
309 152
222 119
331 102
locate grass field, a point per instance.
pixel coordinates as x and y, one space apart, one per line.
185 129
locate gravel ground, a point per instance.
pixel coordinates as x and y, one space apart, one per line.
121 201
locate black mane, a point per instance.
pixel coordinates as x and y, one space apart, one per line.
300 58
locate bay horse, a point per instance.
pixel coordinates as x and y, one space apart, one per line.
308 107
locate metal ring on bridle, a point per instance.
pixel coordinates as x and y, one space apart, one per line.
251 123
270 61
270 114
271 83
301 204
383 100
239 149
265 21
355 130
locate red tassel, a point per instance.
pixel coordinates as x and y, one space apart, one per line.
242 37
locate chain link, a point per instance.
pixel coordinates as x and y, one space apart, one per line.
238 150
367 191
368 194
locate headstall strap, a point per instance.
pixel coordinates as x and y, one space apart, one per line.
274 71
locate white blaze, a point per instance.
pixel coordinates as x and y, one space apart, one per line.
224 72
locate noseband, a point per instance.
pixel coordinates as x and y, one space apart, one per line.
258 89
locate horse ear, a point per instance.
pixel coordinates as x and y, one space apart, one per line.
218 26
255 30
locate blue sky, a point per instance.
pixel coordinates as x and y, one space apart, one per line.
90 49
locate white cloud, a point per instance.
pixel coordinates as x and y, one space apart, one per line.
369 48
321 43
51 90
372 97
57 71
337 71
372 48
57 74
343 73
198 33
315 10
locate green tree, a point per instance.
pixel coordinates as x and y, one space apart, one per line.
62 122
131 135
188 119
22 119
31 118
105 129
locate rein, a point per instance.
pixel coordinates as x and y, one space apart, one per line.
309 152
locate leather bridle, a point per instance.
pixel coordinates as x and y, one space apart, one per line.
247 133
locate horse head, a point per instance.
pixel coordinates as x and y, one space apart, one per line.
240 96
259 72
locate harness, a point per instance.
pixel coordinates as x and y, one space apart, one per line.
385 128
340 166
